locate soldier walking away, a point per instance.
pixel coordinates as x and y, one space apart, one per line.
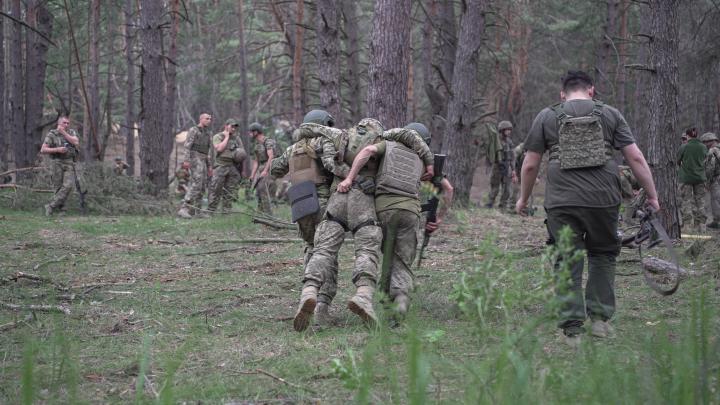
712 172
692 178
311 165
197 160
62 144
120 166
353 211
397 203
264 152
503 167
583 193
228 153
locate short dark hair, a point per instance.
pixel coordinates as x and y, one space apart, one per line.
576 80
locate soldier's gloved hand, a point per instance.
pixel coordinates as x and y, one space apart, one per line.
344 186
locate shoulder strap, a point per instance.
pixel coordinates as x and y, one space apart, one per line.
598 107
559 111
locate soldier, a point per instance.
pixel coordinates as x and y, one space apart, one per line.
197 160
311 163
353 211
691 175
228 152
62 145
264 152
503 170
712 172
629 189
182 176
583 193
397 205
120 166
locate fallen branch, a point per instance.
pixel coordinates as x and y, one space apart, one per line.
38 308
213 252
9 326
260 240
24 169
272 224
284 381
17 186
58 260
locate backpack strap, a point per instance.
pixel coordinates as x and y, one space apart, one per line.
559 112
598 108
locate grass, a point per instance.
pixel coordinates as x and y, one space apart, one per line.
176 328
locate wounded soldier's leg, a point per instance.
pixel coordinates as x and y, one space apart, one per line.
329 236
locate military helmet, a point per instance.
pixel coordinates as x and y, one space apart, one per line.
504 125
708 136
321 117
256 126
118 158
420 129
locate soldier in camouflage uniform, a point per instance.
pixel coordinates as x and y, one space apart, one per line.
120 166
629 188
264 152
314 159
197 160
712 172
182 177
62 145
503 169
228 153
352 211
691 175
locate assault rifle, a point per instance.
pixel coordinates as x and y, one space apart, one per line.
432 205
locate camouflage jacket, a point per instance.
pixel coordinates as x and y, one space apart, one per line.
324 148
55 139
712 165
197 136
261 150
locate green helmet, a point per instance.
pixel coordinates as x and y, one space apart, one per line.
504 125
708 136
420 129
321 117
256 126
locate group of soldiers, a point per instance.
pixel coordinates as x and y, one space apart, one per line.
699 172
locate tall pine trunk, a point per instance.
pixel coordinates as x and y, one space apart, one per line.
171 79
242 65
3 104
388 72
352 74
328 62
297 67
16 95
91 127
130 118
460 145
40 19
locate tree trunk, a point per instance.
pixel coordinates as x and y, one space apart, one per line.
242 65
388 72
605 52
16 95
663 111
91 127
130 118
460 144
621 77
153 156
352 77
3 104
108 107
171 80
328 62
297 96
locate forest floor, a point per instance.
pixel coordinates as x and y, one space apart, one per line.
168 310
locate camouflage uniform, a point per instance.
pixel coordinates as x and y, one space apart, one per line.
502 173
691 175
119 167
265 187
628 188
712 171
182 176
197 152
62 167
226 176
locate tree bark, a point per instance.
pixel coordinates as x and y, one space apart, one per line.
460 144
242 65
388 72
621 77
328 62
16 94
352 76
663 110
171 79
153 156
297 96
92 108
3 104
605 52
130 118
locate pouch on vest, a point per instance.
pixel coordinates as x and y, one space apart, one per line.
581 142
303 200
303 166
400 171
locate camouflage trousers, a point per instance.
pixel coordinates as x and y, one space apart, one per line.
399 247
499 180
352 211
264 191
692 198
715 200
281 189
223 187
198 182
307 227
63 182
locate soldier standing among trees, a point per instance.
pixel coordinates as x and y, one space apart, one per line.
583 193
197 160
228 152
264 152
691 159
62 145
503 169
712 172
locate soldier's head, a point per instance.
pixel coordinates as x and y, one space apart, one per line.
256 129
320 117
420 129
231 125
370 127
205 120
709 139
63 122
577 84
118 160
505 128
691 132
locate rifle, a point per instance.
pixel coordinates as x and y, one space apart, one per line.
83 207
432 205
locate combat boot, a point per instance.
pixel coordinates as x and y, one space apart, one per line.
602 329
48 210
361 304
308 300
322 314
184 213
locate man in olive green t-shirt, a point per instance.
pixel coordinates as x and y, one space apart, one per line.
691 175
584 197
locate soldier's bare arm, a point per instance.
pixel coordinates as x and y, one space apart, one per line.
360 160
73 139
220 147
635 159
45 148
528 175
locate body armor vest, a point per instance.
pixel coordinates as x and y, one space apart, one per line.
400 171
355 143
58 140
201 143
227 157
581 140
303 164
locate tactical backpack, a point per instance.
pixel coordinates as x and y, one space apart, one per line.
581 140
